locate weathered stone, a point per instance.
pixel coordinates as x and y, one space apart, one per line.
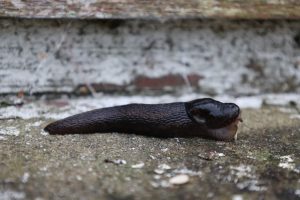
212 57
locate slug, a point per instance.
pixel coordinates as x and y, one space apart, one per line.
205 117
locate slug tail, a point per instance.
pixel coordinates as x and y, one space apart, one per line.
58 128
88 122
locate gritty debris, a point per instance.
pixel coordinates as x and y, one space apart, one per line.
295 116
138 166
242 171
164 149
237 197
212 155
176 177
162 168
252 185
179 179
10 130
297 192
187 172
44 169
159 171
3 138
157 177
44 133
245 177
163 184
117 162
25 177
78 177
10 194
210 195
287 162
37 123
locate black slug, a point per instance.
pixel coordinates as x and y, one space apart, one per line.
198 118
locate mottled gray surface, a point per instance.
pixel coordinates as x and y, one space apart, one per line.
243 57
262 164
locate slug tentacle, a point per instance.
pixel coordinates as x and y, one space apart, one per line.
202 118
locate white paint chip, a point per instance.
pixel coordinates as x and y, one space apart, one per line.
3 138
297 192
78 177
159 171
187 172
242 170
25 177
164 167
252 185
179 179
44 133
287 162
10 194
10 130
138 166
237 197
37 123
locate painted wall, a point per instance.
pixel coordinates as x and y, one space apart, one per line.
211 57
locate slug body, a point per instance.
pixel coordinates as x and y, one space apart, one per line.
201 118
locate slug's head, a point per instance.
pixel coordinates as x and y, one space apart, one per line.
219 119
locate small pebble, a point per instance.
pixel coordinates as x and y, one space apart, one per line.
44 133
237 197
164 166
156 177
159 171
138 166
79 178
179 179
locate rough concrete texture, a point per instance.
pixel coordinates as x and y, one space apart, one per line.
213 57
262 164
99 9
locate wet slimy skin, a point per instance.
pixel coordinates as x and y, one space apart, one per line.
206 118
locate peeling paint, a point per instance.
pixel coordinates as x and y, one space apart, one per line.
244 58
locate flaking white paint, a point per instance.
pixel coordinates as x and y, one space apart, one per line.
41 56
